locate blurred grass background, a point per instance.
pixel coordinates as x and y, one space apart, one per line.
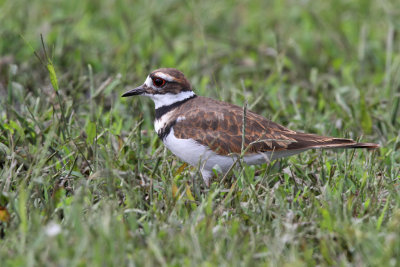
84 179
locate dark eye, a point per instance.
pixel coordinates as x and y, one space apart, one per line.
158 82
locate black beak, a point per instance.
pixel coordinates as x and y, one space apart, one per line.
137 91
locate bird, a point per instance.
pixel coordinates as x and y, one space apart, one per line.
208 133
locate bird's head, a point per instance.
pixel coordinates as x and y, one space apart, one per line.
164 86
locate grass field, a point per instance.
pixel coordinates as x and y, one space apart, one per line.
85 181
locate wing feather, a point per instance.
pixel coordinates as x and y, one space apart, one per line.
219 126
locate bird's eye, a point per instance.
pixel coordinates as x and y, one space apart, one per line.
158 82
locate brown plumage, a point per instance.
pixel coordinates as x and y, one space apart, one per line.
218 125
178 84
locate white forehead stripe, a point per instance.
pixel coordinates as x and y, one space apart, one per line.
165 76
148 82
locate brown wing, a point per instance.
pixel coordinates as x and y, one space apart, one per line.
219 126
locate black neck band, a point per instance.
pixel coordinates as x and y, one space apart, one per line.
164 109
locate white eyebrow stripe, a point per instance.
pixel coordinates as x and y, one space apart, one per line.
164 76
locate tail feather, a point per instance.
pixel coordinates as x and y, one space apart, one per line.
347 144
309 141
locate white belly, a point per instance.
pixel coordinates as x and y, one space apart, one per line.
196 154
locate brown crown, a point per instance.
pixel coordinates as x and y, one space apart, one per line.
178 84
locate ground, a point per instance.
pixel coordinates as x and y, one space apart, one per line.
84 179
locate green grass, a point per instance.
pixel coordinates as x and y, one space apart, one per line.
86 181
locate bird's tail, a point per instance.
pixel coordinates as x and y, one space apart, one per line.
346 143
310 141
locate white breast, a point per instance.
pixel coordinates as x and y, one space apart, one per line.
162 122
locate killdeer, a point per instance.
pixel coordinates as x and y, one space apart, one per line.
208 133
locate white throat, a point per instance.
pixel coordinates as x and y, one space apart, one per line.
161 100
